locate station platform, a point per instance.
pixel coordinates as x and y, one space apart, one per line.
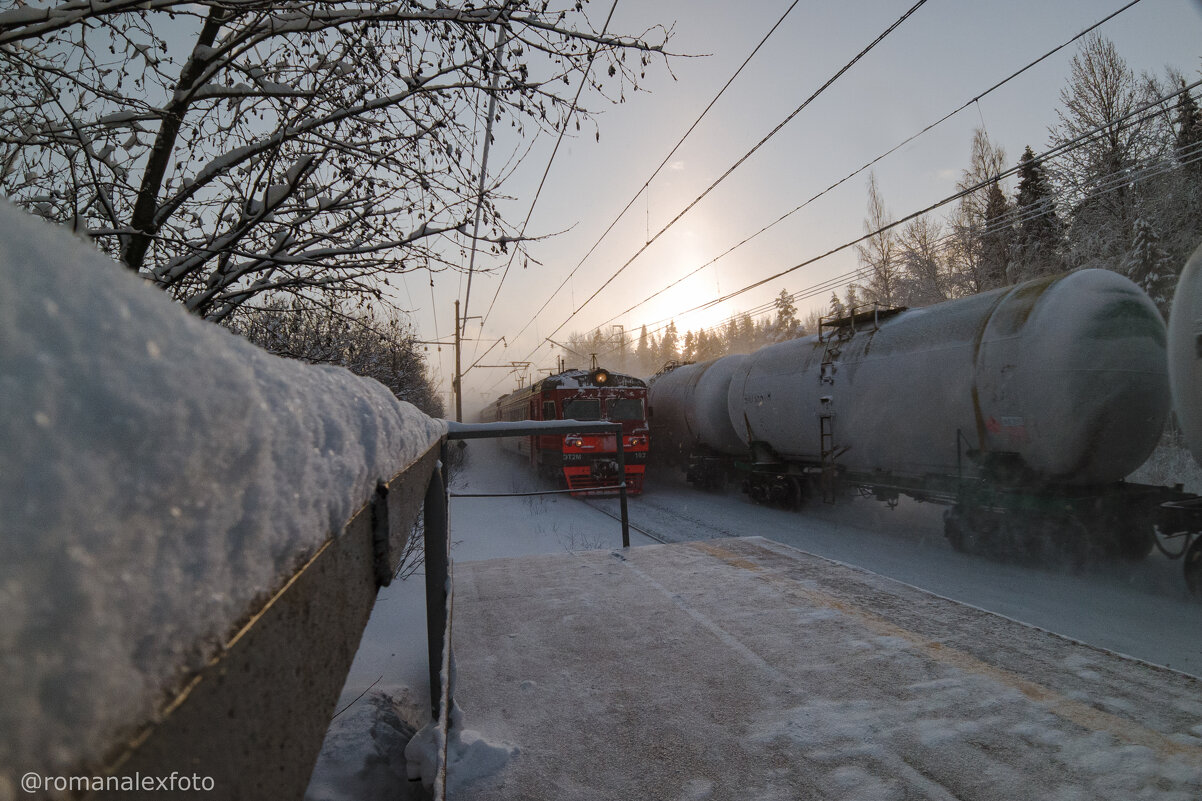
745 669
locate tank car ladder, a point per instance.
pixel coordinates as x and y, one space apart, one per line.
832 346
826 435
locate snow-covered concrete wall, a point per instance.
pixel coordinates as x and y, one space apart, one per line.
159 478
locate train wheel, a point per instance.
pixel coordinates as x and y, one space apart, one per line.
1076 544
953 529
796 493
972 531
1193 568
1133 543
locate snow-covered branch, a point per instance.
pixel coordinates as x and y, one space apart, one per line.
231 148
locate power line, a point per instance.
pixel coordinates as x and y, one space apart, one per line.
1109 183
874 161
656 171
739 163
1051 153
583 80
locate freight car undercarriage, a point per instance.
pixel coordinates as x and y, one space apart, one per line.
1070 526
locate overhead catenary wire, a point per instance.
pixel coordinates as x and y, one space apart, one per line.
1005 221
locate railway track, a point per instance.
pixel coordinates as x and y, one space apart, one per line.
661 537
657 537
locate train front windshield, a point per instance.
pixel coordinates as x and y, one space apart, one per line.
582 409
617 409
625 409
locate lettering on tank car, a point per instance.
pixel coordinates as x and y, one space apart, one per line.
758 399
1012 426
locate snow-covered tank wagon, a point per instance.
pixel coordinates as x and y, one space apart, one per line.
1059 380
690 419
1022 409
1185 371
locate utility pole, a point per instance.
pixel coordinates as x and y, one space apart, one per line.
456 383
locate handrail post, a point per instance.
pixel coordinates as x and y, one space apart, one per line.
622 490
437 546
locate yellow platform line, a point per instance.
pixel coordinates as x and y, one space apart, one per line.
1083 715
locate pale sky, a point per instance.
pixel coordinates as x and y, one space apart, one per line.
945 54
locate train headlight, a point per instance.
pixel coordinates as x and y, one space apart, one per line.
573 441
600 376
637 441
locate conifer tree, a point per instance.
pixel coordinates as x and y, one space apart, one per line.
731 336
747 340
642 352
837 308
1148 265
689 352
1188 132
785 325
1039 235
668 346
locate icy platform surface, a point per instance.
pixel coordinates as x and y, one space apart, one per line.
741 668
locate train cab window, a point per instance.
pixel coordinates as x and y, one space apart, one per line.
548 410
582 409
625 409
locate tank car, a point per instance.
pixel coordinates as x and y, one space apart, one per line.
586 463
1022 409
691 405
1184 517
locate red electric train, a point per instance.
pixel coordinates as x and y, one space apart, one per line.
586 462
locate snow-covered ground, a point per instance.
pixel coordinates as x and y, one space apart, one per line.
1139 610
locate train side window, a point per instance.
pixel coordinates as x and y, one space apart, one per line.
548 410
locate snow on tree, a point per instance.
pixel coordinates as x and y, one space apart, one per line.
923 278
979 237
852 299
304 147
784 325
878 255
1149 266
997 236
1039 233
1095 177
385 349
668 349
1187 132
